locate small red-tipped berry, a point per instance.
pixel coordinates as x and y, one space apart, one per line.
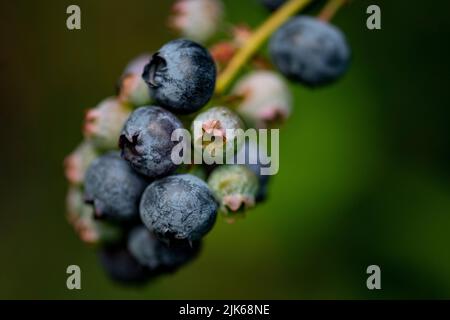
77 162
103 124
81 217
223 51
216 131
132 88
241 34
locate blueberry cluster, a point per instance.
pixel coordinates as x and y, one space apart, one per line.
146 214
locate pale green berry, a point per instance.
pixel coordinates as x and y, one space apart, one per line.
132 88
197 20
81 217
104 123
77 162
234 186
216 132
266 99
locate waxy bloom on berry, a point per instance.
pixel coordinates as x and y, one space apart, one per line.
114 188
181 76
310 51
146 142
179 208
154 254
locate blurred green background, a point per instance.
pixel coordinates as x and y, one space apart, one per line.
365 163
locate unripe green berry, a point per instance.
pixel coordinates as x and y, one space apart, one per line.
77 162
234 186
197 20
81 217
216 130
132 88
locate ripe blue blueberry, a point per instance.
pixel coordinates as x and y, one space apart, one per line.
114 188
122 267
310 51
156 255
146 141
178 208
181 75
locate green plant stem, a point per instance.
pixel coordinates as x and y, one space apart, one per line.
330 9
256 40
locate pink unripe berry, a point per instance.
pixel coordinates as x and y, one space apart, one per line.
197 20
103 124
132 88
81 217
77 162
266 99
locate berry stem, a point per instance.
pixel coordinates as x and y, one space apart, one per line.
330 9
256 40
